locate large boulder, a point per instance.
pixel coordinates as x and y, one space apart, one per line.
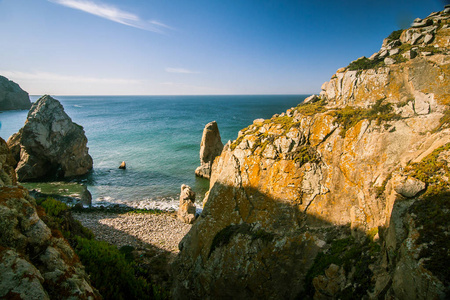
12 96
211 146
50 145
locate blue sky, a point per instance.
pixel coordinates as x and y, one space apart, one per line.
179 47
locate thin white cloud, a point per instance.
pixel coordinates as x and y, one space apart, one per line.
114 14
180 71
45 76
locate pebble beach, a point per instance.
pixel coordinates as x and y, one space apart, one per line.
163 230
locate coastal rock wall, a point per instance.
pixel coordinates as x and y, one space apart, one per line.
12 96
337 168
50 145
35 263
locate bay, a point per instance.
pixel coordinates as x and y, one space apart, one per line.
157 136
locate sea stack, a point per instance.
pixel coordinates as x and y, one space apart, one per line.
12 96
186 210
50 145
211 146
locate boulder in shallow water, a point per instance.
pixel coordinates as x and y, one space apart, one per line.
50 145
186 211
210 147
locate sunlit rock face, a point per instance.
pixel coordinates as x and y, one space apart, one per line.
12 96
50 145
345 165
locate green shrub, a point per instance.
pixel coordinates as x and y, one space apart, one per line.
349 254
395 35
364 63
52 207
110 271
349 116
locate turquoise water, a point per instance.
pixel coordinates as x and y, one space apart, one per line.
157 136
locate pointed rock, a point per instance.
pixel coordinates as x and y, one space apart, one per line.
50 145
210 147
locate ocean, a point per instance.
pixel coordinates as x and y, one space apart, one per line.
157 136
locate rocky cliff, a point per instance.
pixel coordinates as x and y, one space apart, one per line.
35 261
50 145
12 96
345 196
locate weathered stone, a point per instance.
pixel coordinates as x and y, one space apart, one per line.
393 52
428 38
50 145
311 99
410 54
389 61
211 146
186 210
12 96
410 187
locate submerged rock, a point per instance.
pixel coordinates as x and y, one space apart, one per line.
186 210
50 145
12 96
211 146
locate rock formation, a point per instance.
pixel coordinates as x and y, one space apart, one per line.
211 146
50 145
35 262
369 158
12 96
186 210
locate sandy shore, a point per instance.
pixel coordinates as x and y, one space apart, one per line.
139 230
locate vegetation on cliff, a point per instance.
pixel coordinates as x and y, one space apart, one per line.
114 272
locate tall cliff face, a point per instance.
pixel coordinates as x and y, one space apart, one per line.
293 186
12 96
35 262
50 144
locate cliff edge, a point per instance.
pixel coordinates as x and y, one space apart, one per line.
12 96
346 195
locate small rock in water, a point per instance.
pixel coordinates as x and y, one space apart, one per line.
123 166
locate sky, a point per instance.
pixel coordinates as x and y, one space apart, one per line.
195 47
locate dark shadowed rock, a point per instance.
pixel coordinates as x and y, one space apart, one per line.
50 145
210 147
12 96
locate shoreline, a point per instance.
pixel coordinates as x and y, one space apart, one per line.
162 231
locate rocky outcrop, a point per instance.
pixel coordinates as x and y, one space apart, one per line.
211 146
35 262
186 209
329 172
50 145
12 96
